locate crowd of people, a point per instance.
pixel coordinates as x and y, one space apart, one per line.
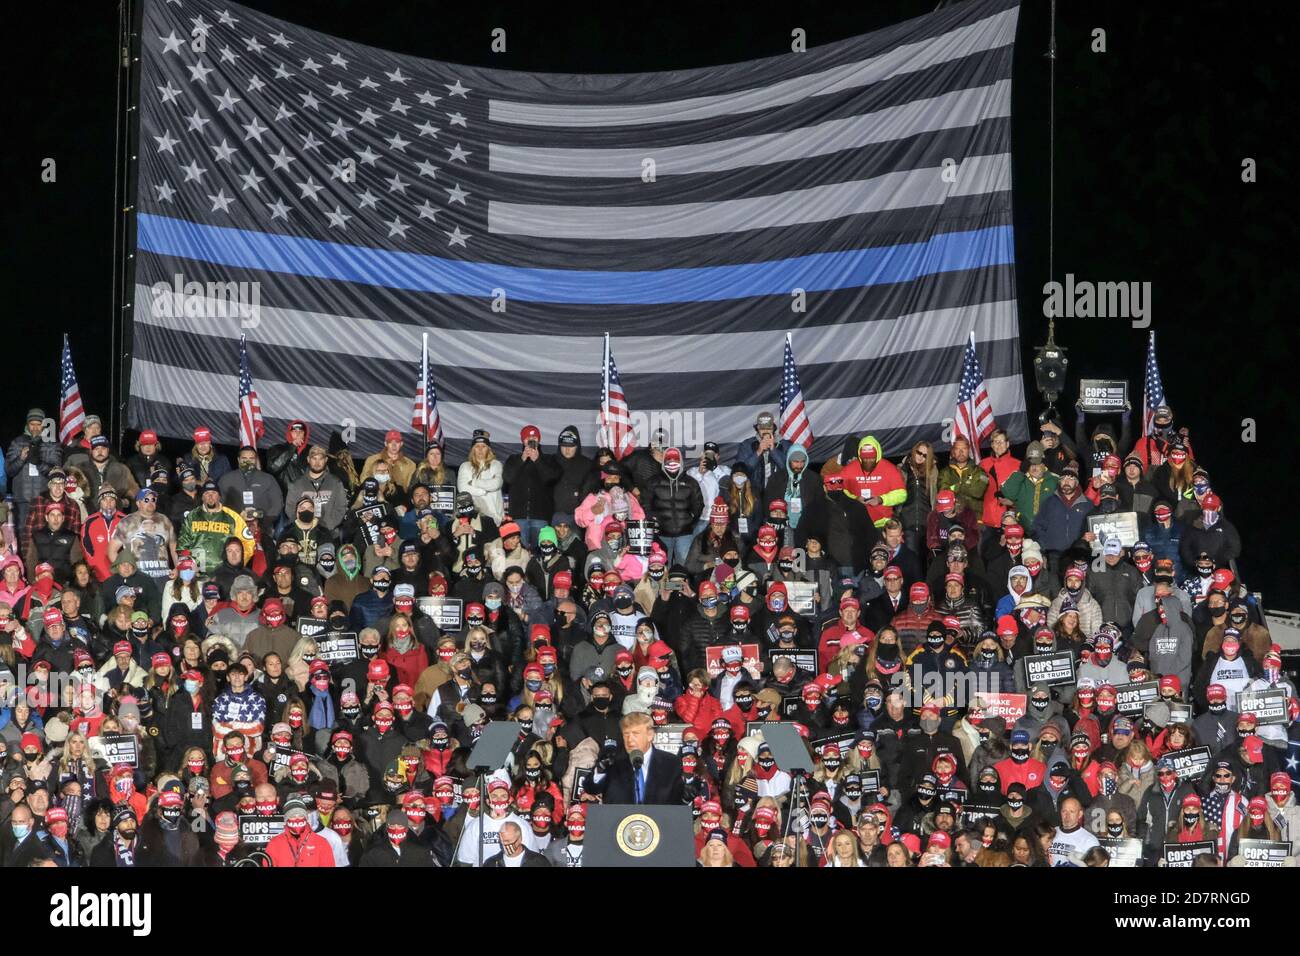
286 660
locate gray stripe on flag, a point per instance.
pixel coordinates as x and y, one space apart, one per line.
383 339
897 190
990 33
954 110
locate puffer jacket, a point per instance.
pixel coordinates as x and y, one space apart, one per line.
700 632
1090 616
1060 524
675 502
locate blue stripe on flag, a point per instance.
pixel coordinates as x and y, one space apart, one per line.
948 252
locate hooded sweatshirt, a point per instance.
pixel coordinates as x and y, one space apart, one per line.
882 481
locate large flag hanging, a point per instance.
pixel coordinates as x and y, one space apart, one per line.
1153 392
71 415
794 417
251 426
424 416
974 418
613 420
335 202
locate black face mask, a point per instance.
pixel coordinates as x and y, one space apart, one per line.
242 786
986 788
351 713
381 586
474 571
988 657
439 743
1037 704
744 703
533 773
466 511
1191 819
487 700
1015 806
600 704
831 763
853 793
1019 755
526 726
1115 829
767 763
369 651
1218 707
819 820
887 653
657 574
763 712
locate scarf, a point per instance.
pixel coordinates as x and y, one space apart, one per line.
125 854
322 709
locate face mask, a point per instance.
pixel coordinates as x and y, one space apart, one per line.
533 773
383 724
234 754
1038 704
1190 819
21 830
708 603
1015 805
763 712
745 702
192 686
739 480
1115 829
930 725
600 704
767 763
819 820
492 604
296 826
369 651
381 586
853 793
831 763
1020 754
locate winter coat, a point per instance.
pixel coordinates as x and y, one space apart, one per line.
1090 616
747 455
1028 496
1221 541
968 482
576 480
1115 590
252 489
531 485
484 488
1059 525
327 494
999 469
675 502
699 633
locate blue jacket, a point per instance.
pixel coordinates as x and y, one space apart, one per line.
1057 526
747 455
1165 543
368 607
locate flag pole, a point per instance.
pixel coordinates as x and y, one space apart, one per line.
603 429
424 374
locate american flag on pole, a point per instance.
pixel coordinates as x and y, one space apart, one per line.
370 197
71 415
424 415
974 418
251 426
1153 393
794 416
614 419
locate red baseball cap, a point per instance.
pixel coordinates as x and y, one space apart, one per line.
52 615
201 434
1171 681
1007 625
945 500
1191 800
1254 749
161 659
919 592
122 647
529 431
392 435
377 670
1013 531
850 601
56 815
941 839
148 437
739 612
1216 692
563 579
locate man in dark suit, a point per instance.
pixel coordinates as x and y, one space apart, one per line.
656 778
513 852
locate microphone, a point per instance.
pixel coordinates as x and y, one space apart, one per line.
637 758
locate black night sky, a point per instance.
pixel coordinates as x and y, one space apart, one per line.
1151 136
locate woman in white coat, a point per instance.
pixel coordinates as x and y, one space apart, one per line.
480 478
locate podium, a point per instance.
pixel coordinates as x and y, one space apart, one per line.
638 835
